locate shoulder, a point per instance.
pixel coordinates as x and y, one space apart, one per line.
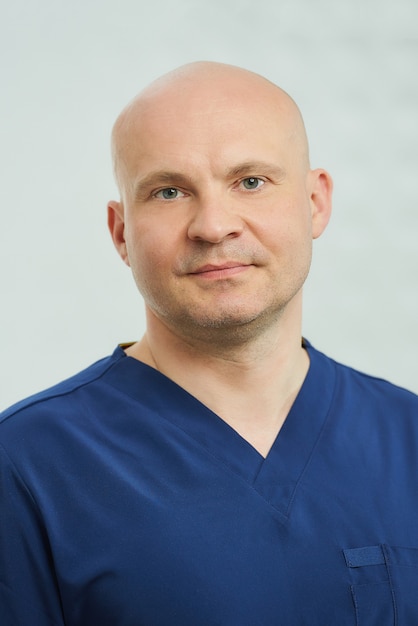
364 392
64 393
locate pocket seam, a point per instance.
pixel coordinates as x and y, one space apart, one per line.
392 591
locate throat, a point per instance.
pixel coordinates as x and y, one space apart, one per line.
260 430
253 398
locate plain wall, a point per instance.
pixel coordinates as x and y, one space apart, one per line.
68 68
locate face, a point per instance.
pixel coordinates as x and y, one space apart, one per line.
217 215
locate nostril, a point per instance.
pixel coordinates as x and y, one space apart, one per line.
214 227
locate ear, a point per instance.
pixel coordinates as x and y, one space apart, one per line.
116 224
320 186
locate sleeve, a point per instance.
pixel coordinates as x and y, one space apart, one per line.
29 593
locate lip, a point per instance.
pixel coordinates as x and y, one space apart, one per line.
224 270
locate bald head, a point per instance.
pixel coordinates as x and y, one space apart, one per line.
203 91
212 166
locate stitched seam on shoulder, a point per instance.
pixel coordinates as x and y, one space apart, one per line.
60 394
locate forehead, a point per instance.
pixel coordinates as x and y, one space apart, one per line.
207 129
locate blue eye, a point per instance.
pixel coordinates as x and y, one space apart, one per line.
252 183
170 193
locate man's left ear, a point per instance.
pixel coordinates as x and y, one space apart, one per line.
320 186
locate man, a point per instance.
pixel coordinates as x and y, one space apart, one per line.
220 471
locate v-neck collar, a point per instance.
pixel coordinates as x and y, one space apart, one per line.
275 477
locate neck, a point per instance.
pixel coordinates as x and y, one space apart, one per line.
250 386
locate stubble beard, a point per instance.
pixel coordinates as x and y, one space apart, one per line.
224 326
221 331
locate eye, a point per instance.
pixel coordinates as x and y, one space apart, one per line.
169 193
252 183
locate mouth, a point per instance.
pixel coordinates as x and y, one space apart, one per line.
224 270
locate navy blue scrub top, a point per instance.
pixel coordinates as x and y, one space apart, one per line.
124 501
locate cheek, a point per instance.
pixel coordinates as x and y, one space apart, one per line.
288 229
149 249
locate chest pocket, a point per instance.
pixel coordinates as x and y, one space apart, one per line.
384 585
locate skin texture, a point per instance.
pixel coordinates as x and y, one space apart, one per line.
216 218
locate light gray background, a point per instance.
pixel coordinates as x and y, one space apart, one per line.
67 70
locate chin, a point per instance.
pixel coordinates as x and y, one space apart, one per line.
225 329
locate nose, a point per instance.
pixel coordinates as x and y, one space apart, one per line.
213 221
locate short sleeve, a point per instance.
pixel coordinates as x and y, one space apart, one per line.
28 589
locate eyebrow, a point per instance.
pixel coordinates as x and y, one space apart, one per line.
160 178
173 178
257 167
